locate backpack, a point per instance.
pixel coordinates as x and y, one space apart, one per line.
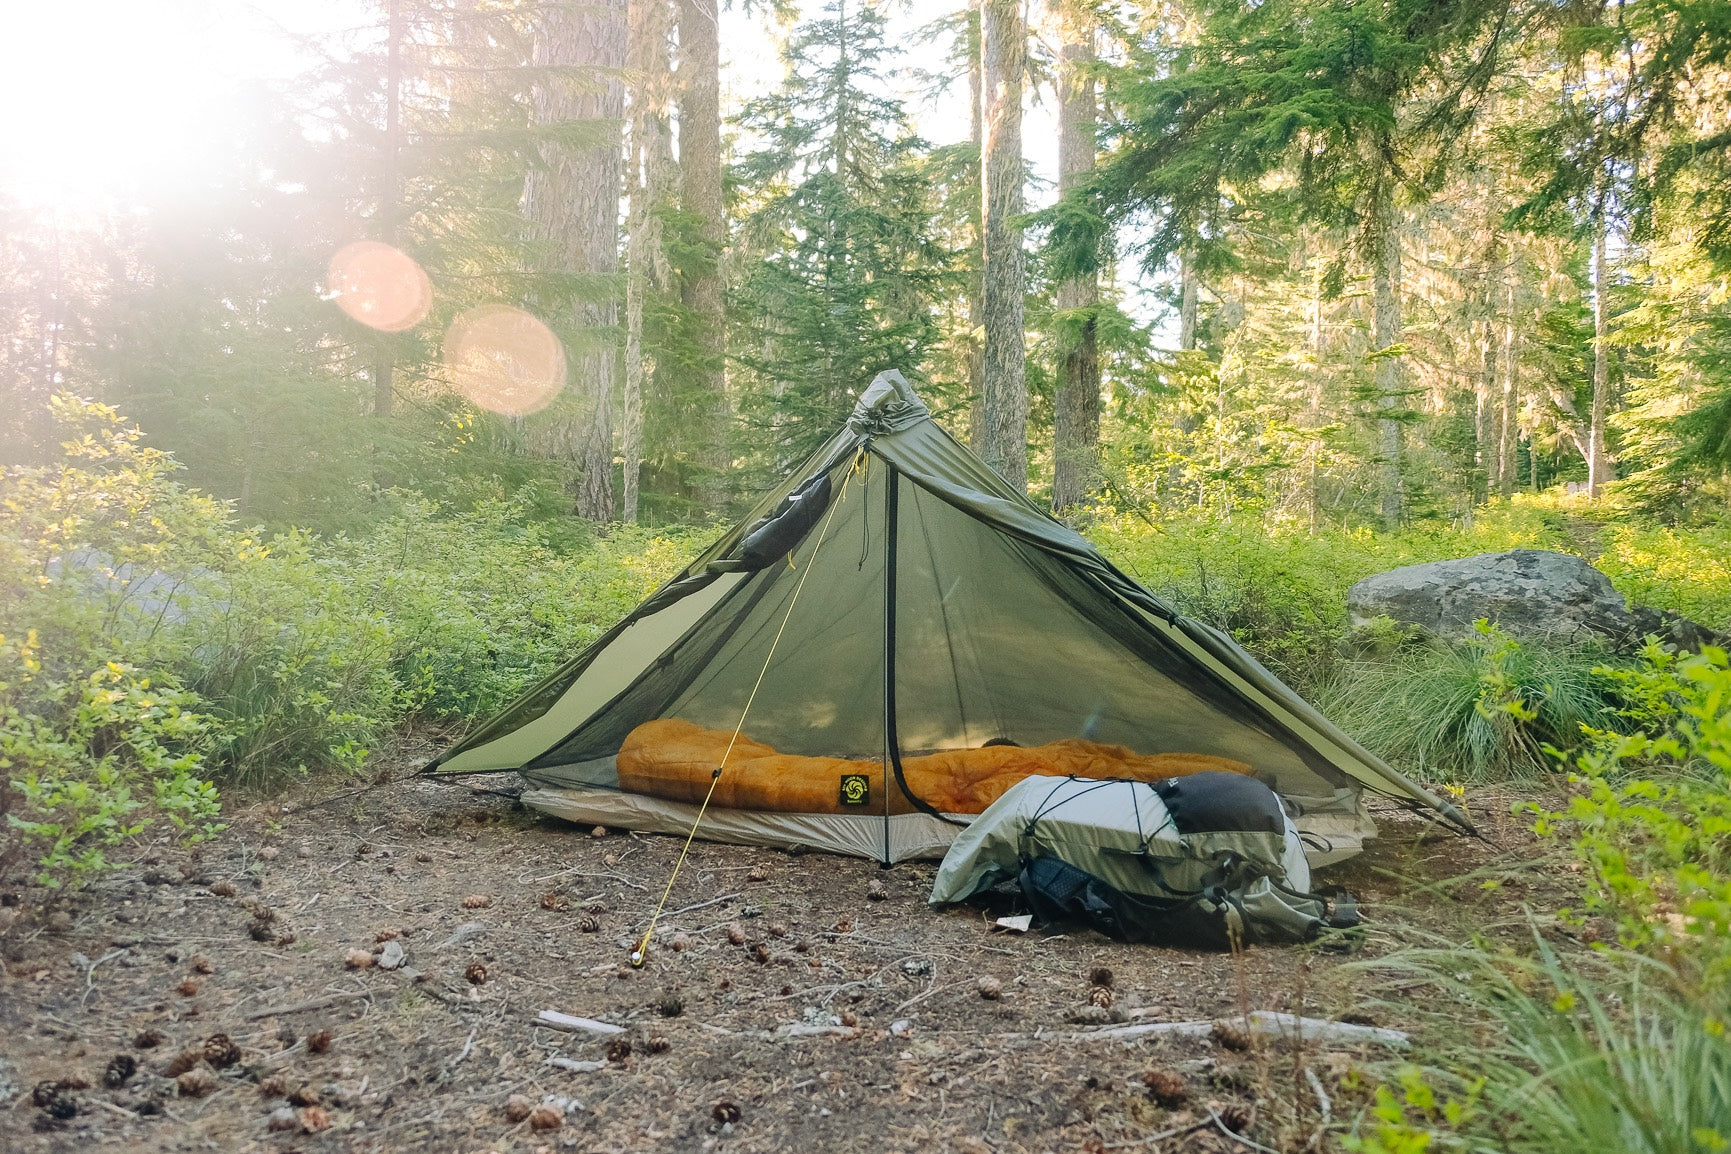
1210 861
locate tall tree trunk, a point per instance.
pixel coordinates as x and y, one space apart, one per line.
1600 467
1187 299
384 361
572 199
1386 287
1076 423
1313 480
976 348
1003 44
650 177
1484 387
1508 411
700 170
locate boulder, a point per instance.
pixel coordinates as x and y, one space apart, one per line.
1528 593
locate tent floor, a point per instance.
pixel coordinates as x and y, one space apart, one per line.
1329 838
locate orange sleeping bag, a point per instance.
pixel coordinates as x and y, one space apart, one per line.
674 759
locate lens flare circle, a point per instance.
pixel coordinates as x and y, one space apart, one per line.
504 360
380 286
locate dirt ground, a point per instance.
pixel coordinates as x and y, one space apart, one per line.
817 1003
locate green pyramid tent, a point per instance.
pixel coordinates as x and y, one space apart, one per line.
894 598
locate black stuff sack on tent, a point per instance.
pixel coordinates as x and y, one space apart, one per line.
1204 862
774 535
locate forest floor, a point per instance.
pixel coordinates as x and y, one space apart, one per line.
849 1017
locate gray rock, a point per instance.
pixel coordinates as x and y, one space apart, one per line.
392 956
1528 593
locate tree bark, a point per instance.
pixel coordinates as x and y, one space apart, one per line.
1076 423
1386 322
572 200
1003 44
650 178
976 349
1187 299
1600 467
1508 411
700 170
1484 387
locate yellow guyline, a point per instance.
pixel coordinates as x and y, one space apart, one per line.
640 953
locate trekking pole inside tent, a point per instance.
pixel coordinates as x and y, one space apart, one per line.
640 953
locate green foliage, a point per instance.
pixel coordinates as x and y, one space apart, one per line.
838 221
1683 568
1566 1056
1281 591
148 648
481 604
1653 819
1406 1122
104 758
1487 709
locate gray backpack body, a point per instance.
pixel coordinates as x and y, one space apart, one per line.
1208 861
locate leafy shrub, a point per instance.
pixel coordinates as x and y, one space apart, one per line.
280 644
482 604
1484 709
1653 819
1280 591
95 745
1683 569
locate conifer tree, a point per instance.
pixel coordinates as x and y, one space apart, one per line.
837 267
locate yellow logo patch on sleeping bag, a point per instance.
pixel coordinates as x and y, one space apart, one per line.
856 789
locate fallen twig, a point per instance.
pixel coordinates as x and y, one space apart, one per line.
1262 1023
468 1046
1235 1135
309 1004
575 1024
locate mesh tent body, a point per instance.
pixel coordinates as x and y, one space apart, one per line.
894 597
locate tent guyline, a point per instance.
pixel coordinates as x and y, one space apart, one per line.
969 642
640 953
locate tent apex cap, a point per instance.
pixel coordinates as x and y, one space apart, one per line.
889 402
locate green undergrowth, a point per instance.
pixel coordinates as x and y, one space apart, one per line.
151 650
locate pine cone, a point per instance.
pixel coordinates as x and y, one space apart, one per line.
196 1082
518 1107
148 1039
619 1049
589 923
546 1116
220 1051
556 902
120 1070
735 934
1233 1035
182 1062
1100 996
222 889
477 902
1167 1088
319 1042
1236 1116
990 988
658 1044
314 1119
476 973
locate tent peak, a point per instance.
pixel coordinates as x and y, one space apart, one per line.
888 403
